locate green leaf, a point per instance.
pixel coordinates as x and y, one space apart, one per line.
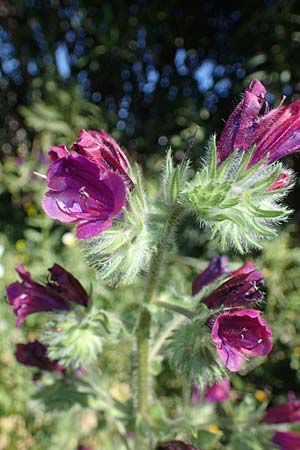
63 395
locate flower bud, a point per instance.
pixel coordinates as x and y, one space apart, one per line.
35 354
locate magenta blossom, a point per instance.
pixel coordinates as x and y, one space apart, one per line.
29 297
286 440
216 268
219 392
275 132
175 445
80 193
35 354
241 287
240 333
284 413
103 150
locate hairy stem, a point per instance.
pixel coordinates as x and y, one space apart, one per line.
164 335
144 320
176 308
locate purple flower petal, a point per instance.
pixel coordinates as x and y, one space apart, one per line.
282 180
214 270
286 440
29 297
67 285
288 412
238 333
57 152
276 132
236 132
103 150
218 393
35 354
79 192
242 287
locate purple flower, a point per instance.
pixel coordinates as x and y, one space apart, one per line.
286 440
242 286
79 192
214 270
175 445
67 286
218 393
29 297
276 132
103 150
284 413
83 447
240 333
35 354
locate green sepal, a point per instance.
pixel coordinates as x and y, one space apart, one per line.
236 201
76 338
120 253
173 179
193 354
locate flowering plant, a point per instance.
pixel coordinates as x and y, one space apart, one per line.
129 236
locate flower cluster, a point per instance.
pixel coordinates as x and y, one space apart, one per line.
237 332
29 297
87 186
239 189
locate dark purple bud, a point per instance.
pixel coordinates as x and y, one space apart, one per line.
218 393
175 445
35 354
214 270
242 287
288 412
83 447
67 285
238 334
29 297
79 193
103 150
286 440
276 132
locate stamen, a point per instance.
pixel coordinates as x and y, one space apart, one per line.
83 192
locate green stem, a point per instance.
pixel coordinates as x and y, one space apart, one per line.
176 308
144 320
164 335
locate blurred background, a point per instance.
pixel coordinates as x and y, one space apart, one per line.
152 74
